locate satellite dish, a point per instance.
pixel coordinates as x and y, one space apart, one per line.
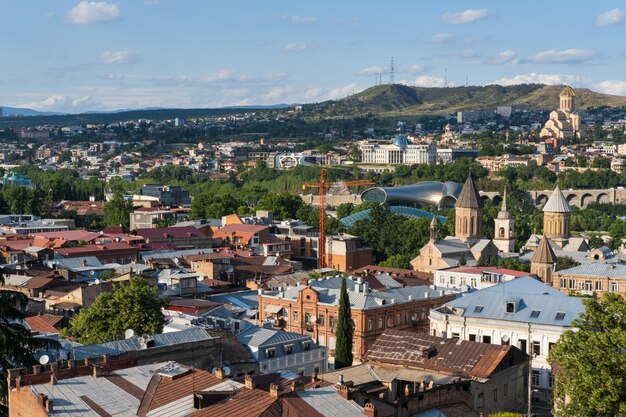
44 359
129 333
226 371
312 319
214 371
505 338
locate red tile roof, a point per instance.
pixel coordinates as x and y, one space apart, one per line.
167 232
70 235
44 323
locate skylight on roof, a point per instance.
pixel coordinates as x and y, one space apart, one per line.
479 309
559 316
535 314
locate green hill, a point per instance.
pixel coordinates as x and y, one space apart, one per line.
402 100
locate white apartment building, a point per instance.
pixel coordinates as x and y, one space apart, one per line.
476 277
523 312
399 152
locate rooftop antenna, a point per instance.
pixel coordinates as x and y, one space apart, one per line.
391 73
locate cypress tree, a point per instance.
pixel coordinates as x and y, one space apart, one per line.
344 330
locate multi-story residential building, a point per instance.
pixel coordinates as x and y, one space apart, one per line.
523 312
313 309
173 195
147 218
477 277
113 252
277 350
399 152
176 237
593 278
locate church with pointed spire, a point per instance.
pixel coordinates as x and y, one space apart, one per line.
468 245
564 123
503 236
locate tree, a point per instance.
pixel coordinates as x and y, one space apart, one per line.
397 261
117 211
565 262
17 345
591 362
462 260
131 305
344 331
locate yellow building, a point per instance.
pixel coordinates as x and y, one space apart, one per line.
564 123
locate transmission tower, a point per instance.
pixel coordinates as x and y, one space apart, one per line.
391 73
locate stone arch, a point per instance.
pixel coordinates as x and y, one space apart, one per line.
585 199
542 199
497 199
602 198
571 199
484 198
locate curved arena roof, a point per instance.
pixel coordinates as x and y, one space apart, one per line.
409 212
429 193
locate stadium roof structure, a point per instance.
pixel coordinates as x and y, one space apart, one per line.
427 193
409 212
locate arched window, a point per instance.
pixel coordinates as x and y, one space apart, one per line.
502 232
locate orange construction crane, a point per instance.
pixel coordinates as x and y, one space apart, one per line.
323 186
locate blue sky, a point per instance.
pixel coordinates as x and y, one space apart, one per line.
68 55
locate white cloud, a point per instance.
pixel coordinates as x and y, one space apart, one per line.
466 16
611 17
616 87
87 12
417 68
429 81
298 47
61 101
344 91
504 57
151 2
120 57
441 38
300 20
313 93
538 78
566 56
469 53
371 71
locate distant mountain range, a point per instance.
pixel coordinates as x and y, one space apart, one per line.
402 100
383 100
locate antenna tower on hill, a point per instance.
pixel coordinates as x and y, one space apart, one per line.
391 73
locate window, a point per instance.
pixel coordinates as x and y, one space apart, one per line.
473 282
479 309
486 339
455 335
295 316
320 320
370 324
288 349
332 321
550 380
472 337
522 345
535 314
270 353
452 280
614 287
572 284
301 371
560 316
380 322
598 286
563 283
495 395
510 307
505 389
306 345
535 378
536 348
587 285
550 346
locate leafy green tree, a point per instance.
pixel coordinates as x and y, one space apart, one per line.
565 262
131 305
17 345
284 205
591 361
397 261
117 211
462 260
512 263
344 331
506 414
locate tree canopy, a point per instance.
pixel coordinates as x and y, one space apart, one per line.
117 211
131 305
344 331
590 363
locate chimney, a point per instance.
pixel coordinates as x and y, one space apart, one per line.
340 379
314 377
219 372
369 410
53 379
274 391
344 391
18 381
96 371
249 382
296 386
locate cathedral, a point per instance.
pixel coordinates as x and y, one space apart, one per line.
468 244
564 123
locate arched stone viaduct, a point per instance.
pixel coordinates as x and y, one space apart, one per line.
576 198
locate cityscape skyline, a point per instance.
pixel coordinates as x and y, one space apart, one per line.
71 56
